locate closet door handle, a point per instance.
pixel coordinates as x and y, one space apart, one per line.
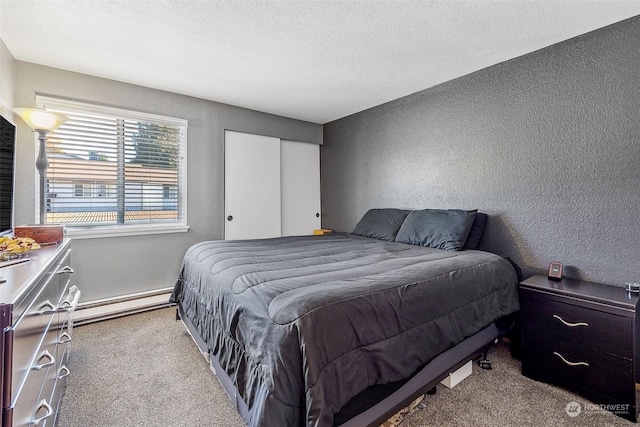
230 218
570 363
569 324
42 405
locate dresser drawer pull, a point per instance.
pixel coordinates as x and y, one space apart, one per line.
570 363
47 307
63 372
64 338
42 405
65 269
571 325
45 355
68 305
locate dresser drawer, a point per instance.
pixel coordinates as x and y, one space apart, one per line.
64 339
28 333
24 406
578 368
23 305
58 392
46 393
562 321
52 391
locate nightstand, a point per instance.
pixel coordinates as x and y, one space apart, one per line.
584 337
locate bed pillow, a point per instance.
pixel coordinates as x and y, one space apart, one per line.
476 232
382 224
436 228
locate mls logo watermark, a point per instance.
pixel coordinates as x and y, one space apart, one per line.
573 409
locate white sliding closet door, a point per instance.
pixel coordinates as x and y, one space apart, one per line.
272 187
252 186
300 187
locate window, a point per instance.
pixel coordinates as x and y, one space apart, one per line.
113 168
81 190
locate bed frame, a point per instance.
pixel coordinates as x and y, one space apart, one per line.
378 403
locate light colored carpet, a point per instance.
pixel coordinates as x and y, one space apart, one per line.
141 370
144 370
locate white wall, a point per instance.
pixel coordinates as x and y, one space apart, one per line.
110 267
7 78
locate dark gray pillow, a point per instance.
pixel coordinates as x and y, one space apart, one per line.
436 228
381 224
476 232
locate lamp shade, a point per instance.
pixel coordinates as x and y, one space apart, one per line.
41 119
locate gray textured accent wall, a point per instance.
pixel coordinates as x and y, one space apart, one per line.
109 267
548 144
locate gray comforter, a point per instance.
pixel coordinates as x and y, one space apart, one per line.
303 324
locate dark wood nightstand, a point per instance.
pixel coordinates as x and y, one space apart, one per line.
584 337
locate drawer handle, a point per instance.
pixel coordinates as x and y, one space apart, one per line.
67 305
64 338
42 405
63 372
45 355
47 307
65 269
571 325
570 363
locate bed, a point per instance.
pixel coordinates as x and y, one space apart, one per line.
298 328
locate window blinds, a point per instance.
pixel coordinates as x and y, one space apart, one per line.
109 166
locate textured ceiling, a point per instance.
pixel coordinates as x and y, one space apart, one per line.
311 60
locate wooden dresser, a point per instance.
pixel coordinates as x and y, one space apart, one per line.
583 336
36 306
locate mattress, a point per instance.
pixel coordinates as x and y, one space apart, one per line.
303 324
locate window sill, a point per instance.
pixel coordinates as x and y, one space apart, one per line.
135 230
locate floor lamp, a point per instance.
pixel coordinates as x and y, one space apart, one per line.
42 122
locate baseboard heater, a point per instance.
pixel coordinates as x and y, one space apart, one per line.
109 308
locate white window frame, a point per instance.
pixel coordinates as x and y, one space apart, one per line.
111 230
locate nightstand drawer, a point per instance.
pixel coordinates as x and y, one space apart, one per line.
580 368
590 327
